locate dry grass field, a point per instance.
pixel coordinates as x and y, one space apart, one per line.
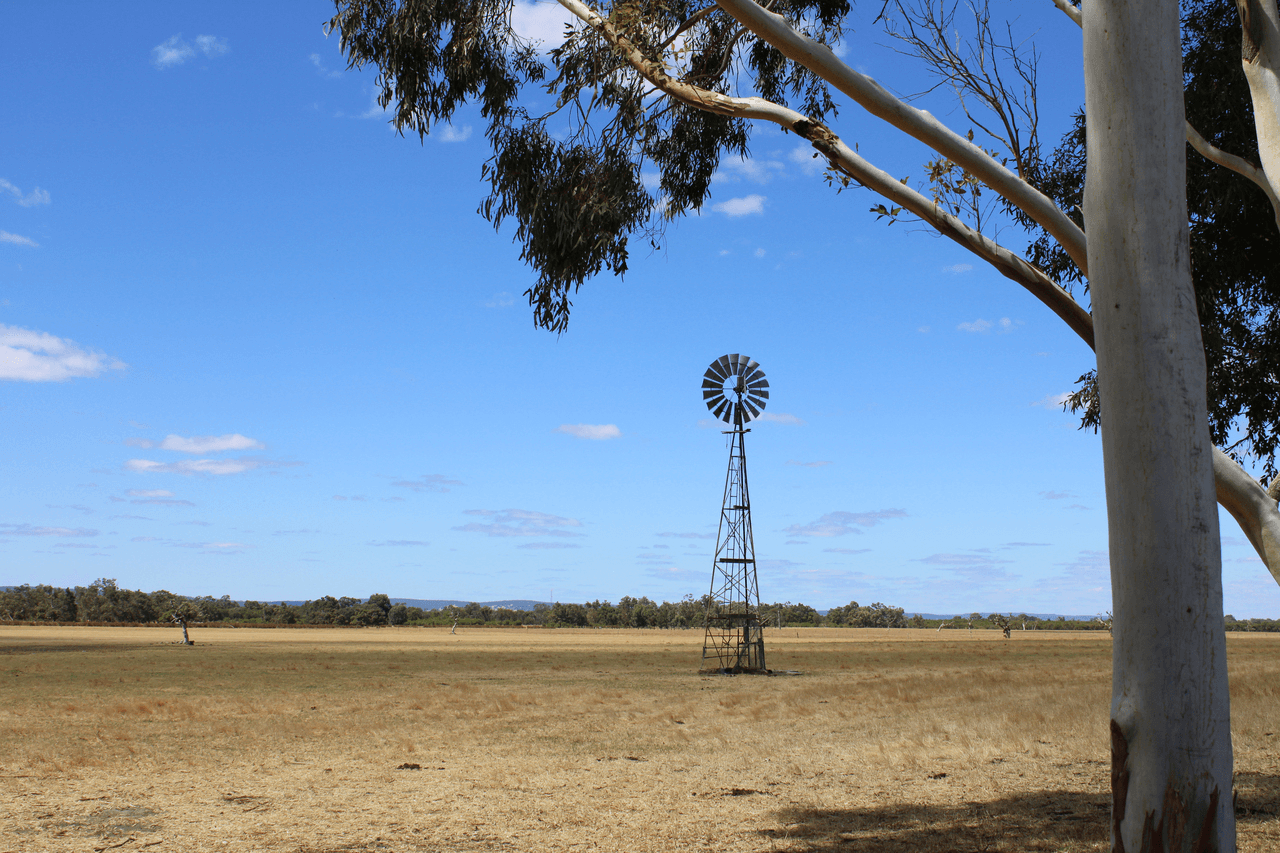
406 739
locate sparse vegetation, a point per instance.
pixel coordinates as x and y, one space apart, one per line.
539 740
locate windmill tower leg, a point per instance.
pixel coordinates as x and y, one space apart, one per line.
734 641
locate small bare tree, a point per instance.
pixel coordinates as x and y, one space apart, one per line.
182 614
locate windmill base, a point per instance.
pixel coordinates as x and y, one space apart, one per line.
734 645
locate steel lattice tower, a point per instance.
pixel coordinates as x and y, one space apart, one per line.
736 391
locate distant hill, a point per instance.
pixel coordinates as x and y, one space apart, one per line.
434 604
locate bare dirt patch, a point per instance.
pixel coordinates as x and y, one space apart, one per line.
417 739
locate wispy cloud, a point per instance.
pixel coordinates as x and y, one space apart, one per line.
217 467
1052 401
807 159
198 444
975 567
956 269
30 356
780 418
400 543
841 523
36 197
321 69
689 535
519 522
849 551
425 483
542 546
449 133
1057 496
18 240
1004 324
175 51
756 171
740 206
32 530
500 300
594 432
821 464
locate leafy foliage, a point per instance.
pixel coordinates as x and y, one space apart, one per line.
571 179
1235 248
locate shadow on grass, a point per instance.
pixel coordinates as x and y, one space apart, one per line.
1067 821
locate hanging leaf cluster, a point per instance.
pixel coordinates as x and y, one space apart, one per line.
612 155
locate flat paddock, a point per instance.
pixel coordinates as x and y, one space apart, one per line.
531 740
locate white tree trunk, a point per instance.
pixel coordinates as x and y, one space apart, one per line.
1260 49
1170 714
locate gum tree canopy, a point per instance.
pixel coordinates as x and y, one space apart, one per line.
677 85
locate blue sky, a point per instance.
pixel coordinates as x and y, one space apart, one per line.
254 343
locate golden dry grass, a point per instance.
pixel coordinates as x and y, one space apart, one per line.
291 740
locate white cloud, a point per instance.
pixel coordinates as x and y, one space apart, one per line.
449 133
740 206
320 67
807 159
759 253
500 300
688 535
978 325
547 546
401 543
211 45
519 522
1056 496
30 530
31 356
1052 401
174 51
594 432
756 171
780 418
425 483
31 199
541 22
198 444
149 493
216 467
840 523
849 551
958 268
18 240
144 443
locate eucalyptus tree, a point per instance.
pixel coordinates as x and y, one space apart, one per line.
677 86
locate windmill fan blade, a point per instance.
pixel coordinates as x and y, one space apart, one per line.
759 383
752 365
712 382
718 411
712 402
760 392
723 364
755 413
714 392
752 376
714 372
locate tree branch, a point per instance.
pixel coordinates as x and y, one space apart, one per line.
873 97
1260 30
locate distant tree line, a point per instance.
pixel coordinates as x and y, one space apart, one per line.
104 602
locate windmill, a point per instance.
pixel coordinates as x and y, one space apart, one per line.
735 391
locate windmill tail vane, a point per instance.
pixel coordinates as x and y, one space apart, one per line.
735 391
